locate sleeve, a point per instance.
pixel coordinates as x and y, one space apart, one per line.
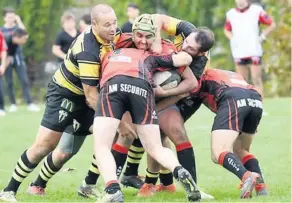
227 25
3 45
89 68
184 28
198 65
171 27
264 18
59 39
162 61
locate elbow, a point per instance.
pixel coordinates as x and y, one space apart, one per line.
193 84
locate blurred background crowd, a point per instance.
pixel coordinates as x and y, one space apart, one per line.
44 30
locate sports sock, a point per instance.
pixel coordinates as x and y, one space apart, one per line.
22 169
135 155
48 170
186 158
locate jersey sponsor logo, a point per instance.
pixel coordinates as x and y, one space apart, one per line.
124 59
133 90
113 88
62 115
68 105
76 125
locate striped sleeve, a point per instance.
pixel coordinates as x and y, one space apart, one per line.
89 68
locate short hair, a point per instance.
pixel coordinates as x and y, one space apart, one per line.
133 5
205 37
86 18
67 16
20 32
8 10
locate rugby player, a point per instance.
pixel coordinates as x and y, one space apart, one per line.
126 86
196 42
238 108
72 93
70 143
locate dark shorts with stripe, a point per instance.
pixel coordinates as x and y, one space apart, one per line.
124 93
239 110
188 106
254 60
65 109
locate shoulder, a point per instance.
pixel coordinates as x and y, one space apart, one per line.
231 11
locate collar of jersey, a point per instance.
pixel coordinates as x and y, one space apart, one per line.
243 10
100 40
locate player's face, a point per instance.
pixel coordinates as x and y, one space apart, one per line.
106 26
191 46
9 18
69 24
132 12
143 40
241 3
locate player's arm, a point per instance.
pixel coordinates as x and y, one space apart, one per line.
56 48
164 103
89 67
20 37
172 26
265 19
188 83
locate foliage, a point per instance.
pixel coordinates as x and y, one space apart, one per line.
42 19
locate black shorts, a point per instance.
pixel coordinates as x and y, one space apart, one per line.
254 60
124 93
64 109
239 110
188 106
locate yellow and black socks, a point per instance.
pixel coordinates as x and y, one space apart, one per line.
166 177
93 173
135 155
22 169
48 170
151 177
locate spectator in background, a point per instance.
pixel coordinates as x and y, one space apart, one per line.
16 36
65 37
242 29
84 22
3 57
133 11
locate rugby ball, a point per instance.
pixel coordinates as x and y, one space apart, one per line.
167 79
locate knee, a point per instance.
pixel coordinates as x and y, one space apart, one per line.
215 154
39 150
178 134
125 141
61 157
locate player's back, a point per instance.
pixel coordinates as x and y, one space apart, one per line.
125 61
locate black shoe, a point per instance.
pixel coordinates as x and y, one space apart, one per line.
132 181
192 190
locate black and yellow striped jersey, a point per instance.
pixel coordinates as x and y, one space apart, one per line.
180 30
82 62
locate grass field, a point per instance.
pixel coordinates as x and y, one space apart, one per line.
272 146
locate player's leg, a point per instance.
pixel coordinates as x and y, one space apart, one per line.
142 109
243 143
110 110
48 136
241 67
68 146
172 125
256 74
227 125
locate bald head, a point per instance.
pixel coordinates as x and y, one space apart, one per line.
99 10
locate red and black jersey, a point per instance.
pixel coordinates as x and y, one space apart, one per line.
213 84
134 63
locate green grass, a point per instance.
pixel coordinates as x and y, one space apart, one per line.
272 146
